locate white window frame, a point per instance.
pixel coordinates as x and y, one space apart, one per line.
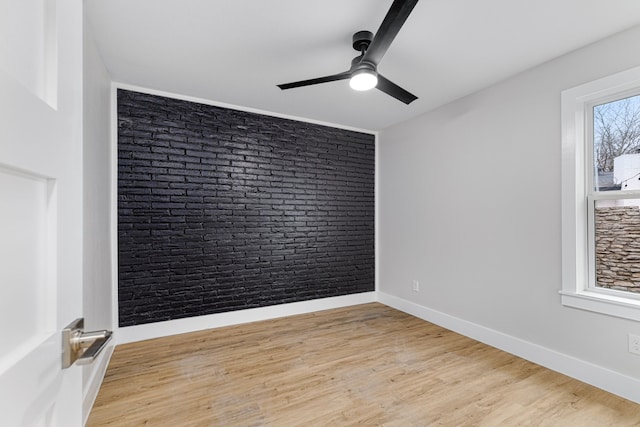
578 197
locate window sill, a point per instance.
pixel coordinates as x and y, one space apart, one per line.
610 305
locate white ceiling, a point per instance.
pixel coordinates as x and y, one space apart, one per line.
236 51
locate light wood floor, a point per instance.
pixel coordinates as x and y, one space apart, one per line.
367 365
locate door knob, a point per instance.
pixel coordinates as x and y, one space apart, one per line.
80 346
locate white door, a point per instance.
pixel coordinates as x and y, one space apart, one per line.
40 209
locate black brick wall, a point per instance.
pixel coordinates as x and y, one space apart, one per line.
222 210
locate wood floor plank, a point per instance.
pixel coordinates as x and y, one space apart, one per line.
367 365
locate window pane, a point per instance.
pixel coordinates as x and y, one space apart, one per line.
616 145
617 244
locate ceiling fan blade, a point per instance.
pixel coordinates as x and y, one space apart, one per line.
393 21
392 89
326 79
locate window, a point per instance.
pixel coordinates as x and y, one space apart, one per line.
601 195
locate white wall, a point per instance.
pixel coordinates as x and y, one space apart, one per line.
470 207
97 298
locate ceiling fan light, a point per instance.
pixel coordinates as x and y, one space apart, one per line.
363 80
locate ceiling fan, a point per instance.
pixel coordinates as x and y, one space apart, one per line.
363 73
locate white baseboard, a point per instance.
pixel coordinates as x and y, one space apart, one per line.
192 324
93 385
603 378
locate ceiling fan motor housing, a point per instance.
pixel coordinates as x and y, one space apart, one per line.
357 64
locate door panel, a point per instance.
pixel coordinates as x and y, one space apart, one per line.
26 298
35 382
28 45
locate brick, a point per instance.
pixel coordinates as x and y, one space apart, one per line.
223 210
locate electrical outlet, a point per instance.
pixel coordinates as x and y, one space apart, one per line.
634 344
416 286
